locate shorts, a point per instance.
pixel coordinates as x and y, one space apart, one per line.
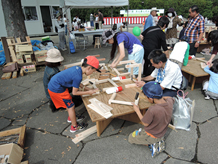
61 100
142 138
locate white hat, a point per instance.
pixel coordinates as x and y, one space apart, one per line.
154 9
180 17
54 56
91 14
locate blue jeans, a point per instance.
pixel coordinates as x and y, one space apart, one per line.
92 23
65 29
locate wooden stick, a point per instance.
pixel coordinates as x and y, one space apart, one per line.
112 98
172 127
121 102
14 75
96 55
132 65
124 74
140 72
200 60
116 71
130 85
113 83
120 69
71 65
102 59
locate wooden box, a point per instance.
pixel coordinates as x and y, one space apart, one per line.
28 58
29 68
23 48
40 55
20 131
20 59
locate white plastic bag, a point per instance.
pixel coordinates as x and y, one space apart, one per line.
72 36
183 109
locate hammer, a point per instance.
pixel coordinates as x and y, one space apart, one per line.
137 98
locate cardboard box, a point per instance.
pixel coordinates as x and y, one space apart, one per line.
14 151
20 131
28 58
29 68
40 55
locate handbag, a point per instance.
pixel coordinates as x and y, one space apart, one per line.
11 67
183 110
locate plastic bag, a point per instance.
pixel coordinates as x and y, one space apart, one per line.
183 109
72 48
72 36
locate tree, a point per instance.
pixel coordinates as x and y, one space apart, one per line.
14 19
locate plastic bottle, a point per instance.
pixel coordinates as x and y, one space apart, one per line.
118 78
114 89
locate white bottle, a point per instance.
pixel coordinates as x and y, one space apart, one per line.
114 89
118 78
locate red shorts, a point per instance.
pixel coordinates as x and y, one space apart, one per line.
61 100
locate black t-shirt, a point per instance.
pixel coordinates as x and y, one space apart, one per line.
154 38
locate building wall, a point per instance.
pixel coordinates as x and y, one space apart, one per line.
32 27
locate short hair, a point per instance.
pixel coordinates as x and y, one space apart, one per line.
53 64
186 23
213 37
194 8
157 56
163 21
64 15
84 64
214 67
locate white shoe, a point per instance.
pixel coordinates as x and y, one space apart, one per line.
64 49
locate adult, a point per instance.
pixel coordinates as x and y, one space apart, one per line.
150 19
100 19
96 21
75 25
195 29
91 20
153 38
118 27
166 72
124 40
213 38
65 23
171 34
60 26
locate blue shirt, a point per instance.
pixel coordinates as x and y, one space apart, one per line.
213 81
68 78
148 22
129 40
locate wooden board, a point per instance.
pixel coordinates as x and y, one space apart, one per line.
14 75
193 68
20 131
6 50
6 75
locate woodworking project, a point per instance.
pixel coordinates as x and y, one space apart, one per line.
100 108
111 100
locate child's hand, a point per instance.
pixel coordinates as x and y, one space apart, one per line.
140 83
135 107
93 91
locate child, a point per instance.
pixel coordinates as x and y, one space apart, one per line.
155 120
180 52
210 88
213 38
72 77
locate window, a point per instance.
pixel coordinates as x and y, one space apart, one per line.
30 13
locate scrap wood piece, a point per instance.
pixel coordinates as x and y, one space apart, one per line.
113 83
86 81
130 85
14 75
200 59
6 75
111 100
13 56
21 72
81 136
99 111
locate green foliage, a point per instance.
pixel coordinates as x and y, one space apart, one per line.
208 8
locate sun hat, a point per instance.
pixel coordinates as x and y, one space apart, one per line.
154 9
106 35
153 89
54 56
170 10
93 61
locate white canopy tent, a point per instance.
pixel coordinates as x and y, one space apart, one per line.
94 4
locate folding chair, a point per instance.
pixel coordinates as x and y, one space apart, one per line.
81 40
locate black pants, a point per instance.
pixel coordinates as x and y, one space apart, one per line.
148 68
192 50
169 92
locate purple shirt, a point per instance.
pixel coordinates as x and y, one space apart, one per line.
129 40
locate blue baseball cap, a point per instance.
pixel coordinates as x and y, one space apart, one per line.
153 89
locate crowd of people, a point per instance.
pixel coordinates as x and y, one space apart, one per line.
162 71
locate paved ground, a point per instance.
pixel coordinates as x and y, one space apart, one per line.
48 140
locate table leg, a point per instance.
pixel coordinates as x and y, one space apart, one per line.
193 83
101 125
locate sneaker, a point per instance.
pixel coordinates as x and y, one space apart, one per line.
78 118
154 149
78 127
207 97
161 146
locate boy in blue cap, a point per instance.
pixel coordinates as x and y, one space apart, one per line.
155 120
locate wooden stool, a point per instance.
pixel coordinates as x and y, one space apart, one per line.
97 42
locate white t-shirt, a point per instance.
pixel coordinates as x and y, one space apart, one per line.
58 23
96 18
65 21
179 50
172 77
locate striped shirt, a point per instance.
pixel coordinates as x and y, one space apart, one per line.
194 28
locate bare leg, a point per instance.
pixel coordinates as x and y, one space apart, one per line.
72 115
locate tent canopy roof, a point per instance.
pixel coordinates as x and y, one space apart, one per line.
95 3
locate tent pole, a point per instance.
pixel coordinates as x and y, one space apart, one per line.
128 19
111 17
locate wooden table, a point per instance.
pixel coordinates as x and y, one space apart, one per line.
124 112
194 69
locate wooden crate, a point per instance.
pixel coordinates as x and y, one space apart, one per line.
20 131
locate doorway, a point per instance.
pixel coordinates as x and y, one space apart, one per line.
46 18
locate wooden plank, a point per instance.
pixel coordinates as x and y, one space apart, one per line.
121 102
140 73
132 65
6 75
18 40
13 56
28 40
21 72
112 98
124 74
116 71
113 83
130 85
99 111
14 75
71 65
84 134
102 59
6 50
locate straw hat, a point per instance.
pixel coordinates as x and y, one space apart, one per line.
54 56
108 34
